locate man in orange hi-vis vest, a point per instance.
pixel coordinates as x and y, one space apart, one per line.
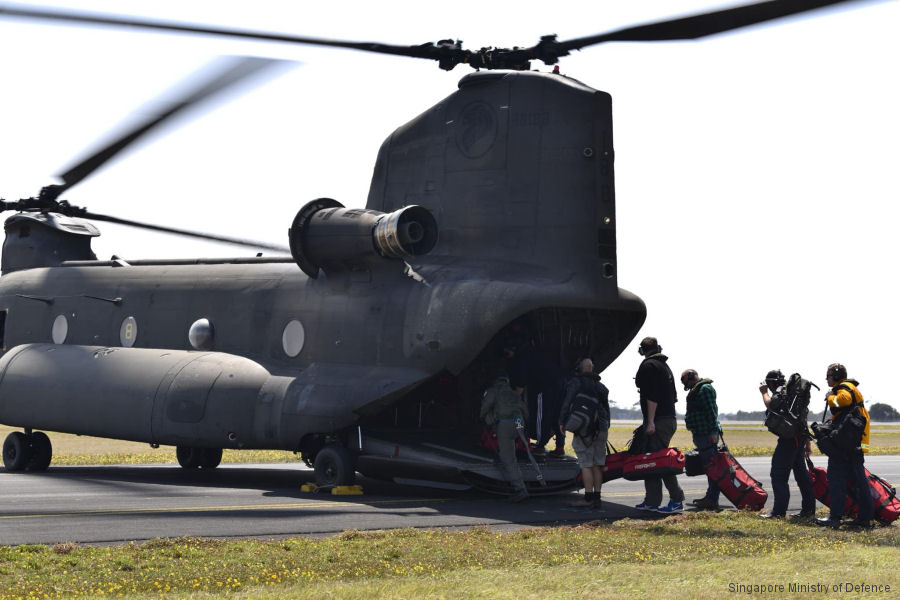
842 399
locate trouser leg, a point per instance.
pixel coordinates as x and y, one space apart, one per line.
560 439
838 470
676 494
801 476
653 491
707 450
864 496
550 406
506 442
541 431
782 461
665 429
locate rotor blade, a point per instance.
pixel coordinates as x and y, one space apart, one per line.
697 26
188 233
424 51
233 71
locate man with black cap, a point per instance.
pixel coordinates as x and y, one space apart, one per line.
790 453
502 407
656 386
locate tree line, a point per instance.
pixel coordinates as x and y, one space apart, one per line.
877 412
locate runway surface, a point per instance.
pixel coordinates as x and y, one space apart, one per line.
115 504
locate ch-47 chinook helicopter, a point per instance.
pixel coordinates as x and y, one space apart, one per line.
490 217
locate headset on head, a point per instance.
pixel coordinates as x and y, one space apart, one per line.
779 376
837 371
643 352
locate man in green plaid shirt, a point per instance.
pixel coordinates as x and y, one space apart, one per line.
702 420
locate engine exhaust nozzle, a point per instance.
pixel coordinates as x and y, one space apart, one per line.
325 235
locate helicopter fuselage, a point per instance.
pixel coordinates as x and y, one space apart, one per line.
106 349
490 221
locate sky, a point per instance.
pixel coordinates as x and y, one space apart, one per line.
757 177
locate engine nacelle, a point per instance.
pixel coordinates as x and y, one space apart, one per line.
327 236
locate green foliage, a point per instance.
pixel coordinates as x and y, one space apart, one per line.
883 412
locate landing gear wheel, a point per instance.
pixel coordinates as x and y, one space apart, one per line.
334 466
41 452
16 451
189 457
210 458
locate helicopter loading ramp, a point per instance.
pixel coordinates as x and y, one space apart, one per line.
458 464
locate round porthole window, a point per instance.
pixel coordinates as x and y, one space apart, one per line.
201 335
128 332
60 329
292 338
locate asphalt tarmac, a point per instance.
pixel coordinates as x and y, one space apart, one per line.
117 504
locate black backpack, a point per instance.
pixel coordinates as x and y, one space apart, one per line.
842 435
585 414
786 416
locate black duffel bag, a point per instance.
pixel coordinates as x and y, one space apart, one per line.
693 464
842 435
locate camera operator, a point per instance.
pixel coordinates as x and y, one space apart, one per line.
790 453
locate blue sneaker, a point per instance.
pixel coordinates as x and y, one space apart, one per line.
645 506
672 508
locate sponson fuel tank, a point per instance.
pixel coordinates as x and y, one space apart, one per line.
136 394
181 397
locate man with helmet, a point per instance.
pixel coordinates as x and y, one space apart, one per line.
503 407
656 386
790 453
843 397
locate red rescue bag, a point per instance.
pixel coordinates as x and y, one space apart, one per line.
488 440
745 492
884 499
668 461
614 464
819 478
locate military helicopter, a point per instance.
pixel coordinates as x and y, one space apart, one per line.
490 216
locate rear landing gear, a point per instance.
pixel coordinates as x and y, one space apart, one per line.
334 466
190 457
27 451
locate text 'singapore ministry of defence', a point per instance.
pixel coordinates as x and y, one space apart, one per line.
844 587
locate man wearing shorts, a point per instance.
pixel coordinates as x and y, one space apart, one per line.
591 450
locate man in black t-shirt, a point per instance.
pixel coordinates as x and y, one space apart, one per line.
656 386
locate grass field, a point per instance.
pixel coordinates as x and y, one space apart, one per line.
702 555
84 450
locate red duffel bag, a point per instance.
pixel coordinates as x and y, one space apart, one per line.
489 441
884 497
735 482
668 461
614 464
819 478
